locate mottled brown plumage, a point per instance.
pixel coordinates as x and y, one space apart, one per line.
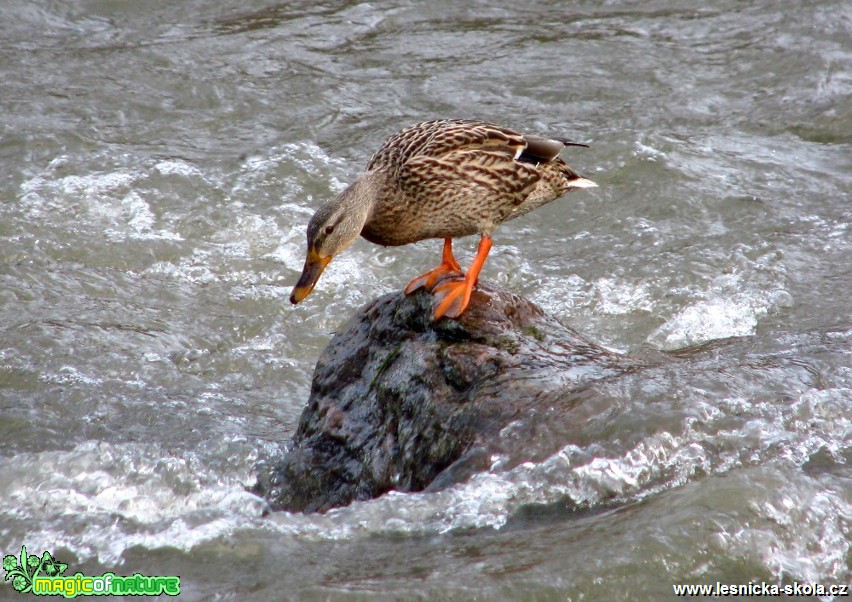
440 179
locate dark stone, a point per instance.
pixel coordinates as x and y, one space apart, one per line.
401 402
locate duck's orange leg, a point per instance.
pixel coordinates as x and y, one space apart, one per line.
449 268
452 297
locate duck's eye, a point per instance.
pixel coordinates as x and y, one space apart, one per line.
329 229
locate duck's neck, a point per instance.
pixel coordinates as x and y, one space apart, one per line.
359 200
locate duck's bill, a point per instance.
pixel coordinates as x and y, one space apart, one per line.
314 265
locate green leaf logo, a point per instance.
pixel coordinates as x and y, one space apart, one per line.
24 569
51 567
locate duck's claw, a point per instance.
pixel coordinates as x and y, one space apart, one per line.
449 268
452 297
430 279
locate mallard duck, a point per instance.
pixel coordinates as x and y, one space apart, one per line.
440 179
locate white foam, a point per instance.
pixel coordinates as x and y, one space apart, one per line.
647 151
70 375
732 307
129 495
111 199
190 270
796 529
140 495
707 320
258 173
617 297
174 167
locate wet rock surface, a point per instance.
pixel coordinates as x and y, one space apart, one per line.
401 402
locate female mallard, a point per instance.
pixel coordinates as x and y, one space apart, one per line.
440 179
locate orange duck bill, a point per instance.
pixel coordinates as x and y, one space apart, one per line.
314 265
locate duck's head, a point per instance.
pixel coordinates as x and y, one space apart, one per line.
334 226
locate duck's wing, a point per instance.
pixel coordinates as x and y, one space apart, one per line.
469 174
471 181
445 136
539 149
459 160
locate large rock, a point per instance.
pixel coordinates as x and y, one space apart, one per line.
401 402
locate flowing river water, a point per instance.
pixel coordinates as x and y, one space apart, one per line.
159 162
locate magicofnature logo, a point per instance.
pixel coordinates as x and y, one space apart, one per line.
42 576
